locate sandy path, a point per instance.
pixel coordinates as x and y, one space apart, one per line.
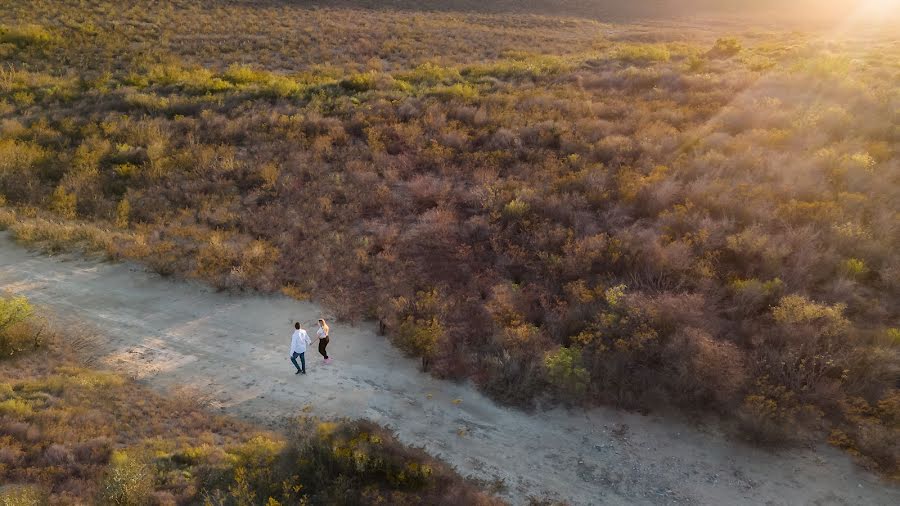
232 350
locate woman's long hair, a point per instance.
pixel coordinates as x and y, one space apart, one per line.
324 326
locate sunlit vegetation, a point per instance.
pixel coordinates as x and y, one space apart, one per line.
18 331
70 434
639 217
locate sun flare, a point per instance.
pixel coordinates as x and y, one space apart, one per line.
878 9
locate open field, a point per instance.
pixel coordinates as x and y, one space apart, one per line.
667 214
230 352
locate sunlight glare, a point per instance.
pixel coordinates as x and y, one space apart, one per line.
878 8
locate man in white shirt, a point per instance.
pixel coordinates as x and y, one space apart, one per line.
299 341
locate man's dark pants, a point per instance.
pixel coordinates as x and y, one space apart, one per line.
302 361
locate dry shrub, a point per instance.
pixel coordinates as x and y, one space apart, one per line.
22 495
708 371
55 237
16 429
10 457
870 432
512 380
773 416
880 443
93 451
58 455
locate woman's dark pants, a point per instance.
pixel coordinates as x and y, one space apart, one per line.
322 344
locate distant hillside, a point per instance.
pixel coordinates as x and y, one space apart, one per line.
614 9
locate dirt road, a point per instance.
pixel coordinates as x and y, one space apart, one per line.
233 352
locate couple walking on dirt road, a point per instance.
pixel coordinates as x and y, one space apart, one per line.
300 340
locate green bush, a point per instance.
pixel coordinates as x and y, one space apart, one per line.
361 82
13 310
459 91
431 74
419 324
515 208
893 336
420 337
128 481
796 309
16 408
280 86
614 295
726 47
20 159
565 370
527 66
242 74
15 335
26 35
196 80
854 268
643 53
123 213
63 203
266 83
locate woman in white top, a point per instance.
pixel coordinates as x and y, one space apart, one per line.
322 334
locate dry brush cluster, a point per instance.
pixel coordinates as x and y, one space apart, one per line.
633 216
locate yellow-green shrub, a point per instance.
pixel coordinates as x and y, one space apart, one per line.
63 203
430 74
26 35
14 336
193 79
797 309
420 336
726 47
458 91
854 268
361 82
526 66
642 53
128 481
566 371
